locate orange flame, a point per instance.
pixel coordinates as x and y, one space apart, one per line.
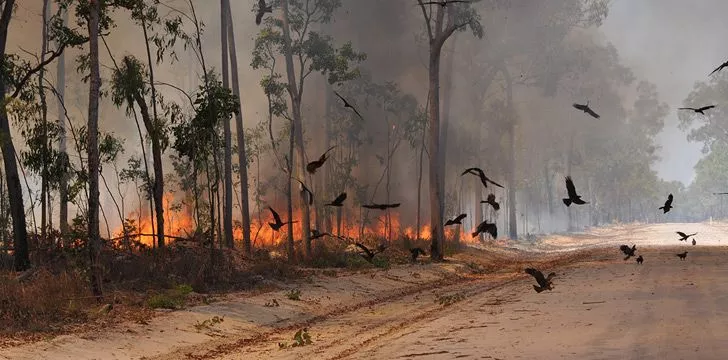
179 221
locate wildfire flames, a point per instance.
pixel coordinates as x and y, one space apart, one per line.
179 221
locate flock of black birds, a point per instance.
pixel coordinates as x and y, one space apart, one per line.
544 282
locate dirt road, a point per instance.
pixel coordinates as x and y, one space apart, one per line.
601 308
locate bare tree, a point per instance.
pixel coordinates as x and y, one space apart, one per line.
63 186
227 161
94 240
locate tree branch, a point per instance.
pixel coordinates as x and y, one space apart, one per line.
427 20
19 86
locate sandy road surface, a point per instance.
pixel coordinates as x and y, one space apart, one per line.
601 308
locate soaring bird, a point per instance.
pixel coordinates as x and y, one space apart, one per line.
314 165
629 251
278 223
456 221
573 197
721 193
375 206
315 234
417 252
640 259
491 201
306 190
586 109
683 236
682 256
668 205
444 3
262 9
479 173
698 110
544 283
367 254
339 201
719 68
694 243
486 227
347 105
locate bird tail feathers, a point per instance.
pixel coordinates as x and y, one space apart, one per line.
567 202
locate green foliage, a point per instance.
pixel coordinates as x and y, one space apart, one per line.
170 299
301 338
293 294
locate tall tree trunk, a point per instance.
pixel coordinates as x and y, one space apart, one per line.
445 122
300 163
227 161
153 130
289 185
94 241
15 192
419 182
325 187
240 132
478 191
63 186
512 187
44 120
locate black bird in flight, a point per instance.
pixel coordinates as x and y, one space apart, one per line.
698 110
573 197
315 234
491 201
629 251
416 252
278 223
375 206
719 68
347 105
682 256
721 193
306 190
367 254
444 3
668 205
339 201
694 243
486 227
683 236
586 109
479 173
640 259
456 221
262 9
544 283
314 165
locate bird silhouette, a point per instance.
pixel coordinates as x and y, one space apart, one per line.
682 256
573 197
694 243
339 201
629 251
698 110
486 227
347 105
278 223
479 173
376 206
417 252
683 236
640 259
586 109
544 283
721 193
306 190
444 3
668 205
314 165
315 234
457 220
491 201
367 254
262 9
719 68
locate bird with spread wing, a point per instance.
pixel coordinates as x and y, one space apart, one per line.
571 191
544 283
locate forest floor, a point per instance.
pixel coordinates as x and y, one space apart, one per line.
479 305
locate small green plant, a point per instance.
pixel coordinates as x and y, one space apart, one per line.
170 299
293 294
209 323
448 300
272 303
302 338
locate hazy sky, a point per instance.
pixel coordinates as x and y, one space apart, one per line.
672 43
